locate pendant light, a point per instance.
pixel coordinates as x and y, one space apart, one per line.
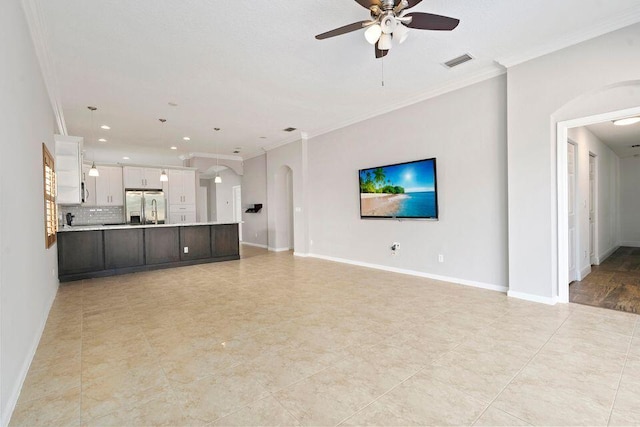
93 171
218 178
163 176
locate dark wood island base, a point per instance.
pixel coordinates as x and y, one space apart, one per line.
113 251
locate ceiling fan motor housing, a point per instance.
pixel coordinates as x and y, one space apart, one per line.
388 23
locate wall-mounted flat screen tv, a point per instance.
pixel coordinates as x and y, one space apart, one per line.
400 191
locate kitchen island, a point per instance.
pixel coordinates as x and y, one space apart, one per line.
92 251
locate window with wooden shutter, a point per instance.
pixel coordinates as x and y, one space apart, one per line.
50 207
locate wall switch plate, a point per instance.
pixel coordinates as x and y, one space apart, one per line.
186 249
440 258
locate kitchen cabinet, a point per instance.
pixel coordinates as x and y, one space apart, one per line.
182 187
108 251
68 169
182 214
137 177
197 241
109 191
123 248
88 187
80 252
162 245
224 240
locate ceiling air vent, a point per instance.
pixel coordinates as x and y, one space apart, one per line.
289 129
458 61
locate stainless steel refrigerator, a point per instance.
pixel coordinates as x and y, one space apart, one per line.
145 207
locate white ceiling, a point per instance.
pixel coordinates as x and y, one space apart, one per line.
619 138
253 68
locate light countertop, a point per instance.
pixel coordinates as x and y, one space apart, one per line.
98 227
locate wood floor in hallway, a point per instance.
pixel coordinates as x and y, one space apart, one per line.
614 284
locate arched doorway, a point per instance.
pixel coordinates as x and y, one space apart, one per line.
609 103
284 211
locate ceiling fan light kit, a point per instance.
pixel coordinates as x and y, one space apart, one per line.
389 22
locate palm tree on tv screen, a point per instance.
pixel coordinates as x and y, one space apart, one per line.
379 177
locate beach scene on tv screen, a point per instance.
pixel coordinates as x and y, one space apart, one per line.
404 191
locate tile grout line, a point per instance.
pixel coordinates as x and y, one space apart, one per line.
431 363
81 345
626 359
518 373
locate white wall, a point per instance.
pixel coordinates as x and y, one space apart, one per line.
224 195
28 271
630 201
539 94
254 190
466 131
607 208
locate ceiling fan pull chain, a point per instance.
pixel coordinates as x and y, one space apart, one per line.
382 61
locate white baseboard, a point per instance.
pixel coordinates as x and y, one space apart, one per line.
278 249
603 256
455 280
631 244
585 271
300 254
7 412
533 298
257 245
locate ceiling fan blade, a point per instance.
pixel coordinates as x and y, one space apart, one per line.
380 53
342 30
429 21
368 3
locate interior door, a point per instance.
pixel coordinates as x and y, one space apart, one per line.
571 181
237 208
592 208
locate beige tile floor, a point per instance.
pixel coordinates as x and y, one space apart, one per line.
277 340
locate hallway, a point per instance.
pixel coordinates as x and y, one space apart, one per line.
614 284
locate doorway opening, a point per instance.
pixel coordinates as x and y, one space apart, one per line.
595 258
237 208
284 210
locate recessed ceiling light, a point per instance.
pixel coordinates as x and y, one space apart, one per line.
216 129
289 129
105 127
263 137
174 148
186 138
627 121
173 104
125 158
635 146
102 140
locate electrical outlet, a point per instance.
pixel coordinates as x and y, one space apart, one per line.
395 248
440 258
186 249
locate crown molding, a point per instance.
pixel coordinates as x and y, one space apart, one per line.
37 28
477 77
210 156
293 138
629 17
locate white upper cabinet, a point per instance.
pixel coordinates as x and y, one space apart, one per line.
182 187
109 191
142 178
68 169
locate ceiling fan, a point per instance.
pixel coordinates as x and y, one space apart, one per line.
389 21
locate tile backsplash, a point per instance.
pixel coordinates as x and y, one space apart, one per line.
90 215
